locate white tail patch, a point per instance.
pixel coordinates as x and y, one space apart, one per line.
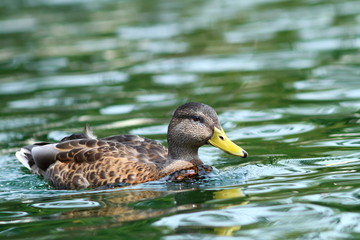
20 155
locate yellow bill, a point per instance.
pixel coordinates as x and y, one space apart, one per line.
220 140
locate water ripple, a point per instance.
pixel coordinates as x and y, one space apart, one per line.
117 109
62 81
324 45
19 25
12 123
270 131
312 110
239 62
159 129
331 78
279 215
266 26
164 47
314 84
9 136
336 94
75 203
155 97
249 116
161 31
12 214
40 102
216 218
175 79
340 143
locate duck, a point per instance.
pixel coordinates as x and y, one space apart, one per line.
82 161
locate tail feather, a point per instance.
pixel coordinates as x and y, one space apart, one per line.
24 156
44 153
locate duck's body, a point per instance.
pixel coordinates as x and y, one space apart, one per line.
82 161
88 162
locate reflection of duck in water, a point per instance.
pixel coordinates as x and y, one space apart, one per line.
121 206
82 161
130 205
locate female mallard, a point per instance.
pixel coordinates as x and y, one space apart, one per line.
82 161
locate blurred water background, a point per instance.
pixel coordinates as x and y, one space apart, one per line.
283 75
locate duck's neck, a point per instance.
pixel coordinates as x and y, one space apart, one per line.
180 158
179 152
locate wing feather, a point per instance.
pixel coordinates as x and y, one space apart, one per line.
85 163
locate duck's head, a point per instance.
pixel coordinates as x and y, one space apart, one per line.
196 124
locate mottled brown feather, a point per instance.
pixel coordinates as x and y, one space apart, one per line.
106 161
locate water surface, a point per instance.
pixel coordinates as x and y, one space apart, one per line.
283 76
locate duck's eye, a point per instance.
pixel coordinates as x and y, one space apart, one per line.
197 118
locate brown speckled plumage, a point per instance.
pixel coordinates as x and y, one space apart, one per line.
89 163
83 161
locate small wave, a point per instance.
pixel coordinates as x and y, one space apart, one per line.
75 203
270 131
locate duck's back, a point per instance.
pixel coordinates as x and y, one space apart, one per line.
79 161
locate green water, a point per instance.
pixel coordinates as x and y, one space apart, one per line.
284 76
